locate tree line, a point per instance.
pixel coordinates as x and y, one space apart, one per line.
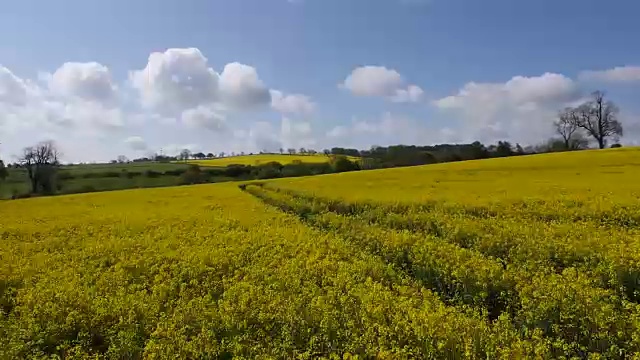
594 120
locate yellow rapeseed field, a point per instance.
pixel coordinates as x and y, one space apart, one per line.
526 257
262 159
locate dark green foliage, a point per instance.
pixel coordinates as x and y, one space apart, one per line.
3 171
193 175
343 164
152 174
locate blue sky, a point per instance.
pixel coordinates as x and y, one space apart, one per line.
305 73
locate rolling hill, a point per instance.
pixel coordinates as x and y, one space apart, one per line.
523 257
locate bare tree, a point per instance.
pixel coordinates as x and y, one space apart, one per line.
567 125
41 162
599 118
291 151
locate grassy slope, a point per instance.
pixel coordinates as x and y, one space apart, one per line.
141 166
17 181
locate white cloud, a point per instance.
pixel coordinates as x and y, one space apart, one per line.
13 90
615 75
136 143
266 136
91 115
296 104
176 79
388 129
378 81
181 78
88 81
262 136
338 131
412 94
204 117
241 87
175 149
24 105
521 109
296 134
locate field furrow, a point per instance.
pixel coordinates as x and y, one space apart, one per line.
222 277
533 297
610 255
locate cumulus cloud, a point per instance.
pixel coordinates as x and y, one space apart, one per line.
180 79
88 81
13 90
262 136
241 87
205 118
296 104
23 104
618 74
93 115
387 124
296 134
270 137
136 143
176 79
387 129
175 149
521 108
379 81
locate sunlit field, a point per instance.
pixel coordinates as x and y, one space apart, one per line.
523 257
262 159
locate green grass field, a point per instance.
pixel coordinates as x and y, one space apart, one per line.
132 166
17 182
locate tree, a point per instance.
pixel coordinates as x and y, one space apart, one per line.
503 149
3 171
122 159
302 151
222 154
291 151
340 163
41 162
185 154
281 151
199 155
579 142
599 118
567 125
327 152
210 156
